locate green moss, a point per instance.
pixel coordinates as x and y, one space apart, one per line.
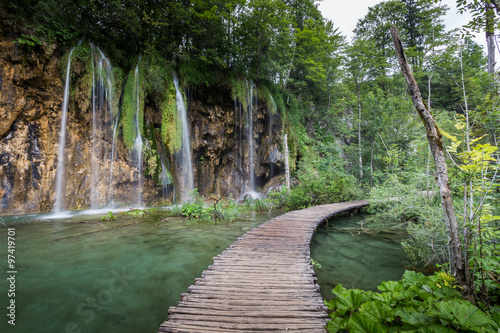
265 95
171 126
239 91
129 110
117 77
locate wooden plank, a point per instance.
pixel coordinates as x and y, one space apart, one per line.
263 282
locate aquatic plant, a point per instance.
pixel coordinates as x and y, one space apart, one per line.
315 263
109 217
261 205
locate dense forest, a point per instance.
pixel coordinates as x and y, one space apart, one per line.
353 129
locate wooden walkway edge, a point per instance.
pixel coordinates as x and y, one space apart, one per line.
263 282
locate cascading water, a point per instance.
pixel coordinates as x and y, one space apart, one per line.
62 142
110 189
166 178
272 110
238 139
184 157
138 138
250 186
102 121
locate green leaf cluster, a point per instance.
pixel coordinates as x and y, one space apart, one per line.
130 106
110 216
416 303
321 180
198 211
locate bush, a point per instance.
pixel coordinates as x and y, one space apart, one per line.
395 204
416 303
197 210
321 182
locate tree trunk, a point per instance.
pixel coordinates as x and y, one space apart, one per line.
490 37
359 130
457 264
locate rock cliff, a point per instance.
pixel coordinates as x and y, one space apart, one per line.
31 96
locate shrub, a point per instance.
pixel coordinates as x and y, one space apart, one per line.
321 182
416 303
395 204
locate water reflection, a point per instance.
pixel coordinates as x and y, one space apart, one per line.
354 258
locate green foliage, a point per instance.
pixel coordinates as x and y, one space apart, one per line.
108 217
278 198
198 211
315 263
261 205
476 173
321 180
171 126
176 210
416 303
139 212
239 91
400 202
130 106
30 41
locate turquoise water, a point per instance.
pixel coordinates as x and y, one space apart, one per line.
80 274
355 259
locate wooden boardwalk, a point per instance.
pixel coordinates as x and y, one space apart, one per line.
263 282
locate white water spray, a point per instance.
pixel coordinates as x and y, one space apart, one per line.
185 164
138 138
62 141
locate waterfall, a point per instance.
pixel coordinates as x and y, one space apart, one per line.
93 167
185 165
238 149
251 166
62 141
102 125
138 138
110 189
272 110
166 178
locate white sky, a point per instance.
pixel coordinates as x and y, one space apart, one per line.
345 15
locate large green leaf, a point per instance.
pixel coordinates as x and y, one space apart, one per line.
336 325
436 328
349 299
390 286
410 316
462 315
378 311
386 298
358 323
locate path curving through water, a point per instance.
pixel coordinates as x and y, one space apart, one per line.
263 282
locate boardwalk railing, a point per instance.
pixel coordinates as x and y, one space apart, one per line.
263 282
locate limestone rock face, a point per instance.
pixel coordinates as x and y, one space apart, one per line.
220 145
31 98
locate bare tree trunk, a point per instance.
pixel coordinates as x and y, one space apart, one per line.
371 164
457 265
359 130
490 37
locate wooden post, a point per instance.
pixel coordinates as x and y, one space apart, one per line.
457 264
287 165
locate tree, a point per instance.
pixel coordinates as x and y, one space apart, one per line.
483 19
458 265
